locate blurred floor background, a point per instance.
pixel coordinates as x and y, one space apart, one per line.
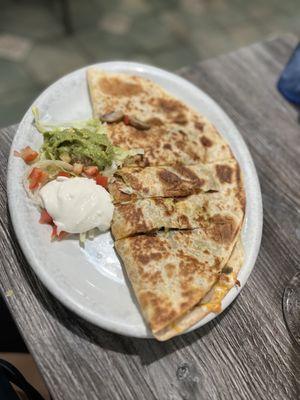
35 51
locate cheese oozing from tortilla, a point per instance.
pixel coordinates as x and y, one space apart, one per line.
77 205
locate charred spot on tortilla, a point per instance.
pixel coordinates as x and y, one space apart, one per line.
226 270
222 229
180 119
114 86
148 242
188 265
205 141
169 105
168 177
188 173
199 125
224 173
240 192
184 221
146 258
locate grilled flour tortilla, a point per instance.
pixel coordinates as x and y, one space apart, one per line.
177 134
172 271
179 208
212 301
169 181
195 211
224 208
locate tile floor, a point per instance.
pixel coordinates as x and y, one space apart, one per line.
34 51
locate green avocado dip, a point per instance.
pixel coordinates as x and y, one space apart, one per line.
85 142
74 145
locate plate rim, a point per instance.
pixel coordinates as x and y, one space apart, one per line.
58 291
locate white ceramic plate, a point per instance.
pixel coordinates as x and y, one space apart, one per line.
90 281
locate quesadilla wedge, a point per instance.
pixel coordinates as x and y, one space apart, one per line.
172 271
167 130
170 181
212 301
224 208
210 211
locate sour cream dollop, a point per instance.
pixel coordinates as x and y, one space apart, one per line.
77 204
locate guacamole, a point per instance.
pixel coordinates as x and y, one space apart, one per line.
75 145
84 142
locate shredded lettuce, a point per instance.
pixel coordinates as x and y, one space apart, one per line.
52 167
82 238
91 124
119 157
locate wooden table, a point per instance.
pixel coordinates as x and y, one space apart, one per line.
245 353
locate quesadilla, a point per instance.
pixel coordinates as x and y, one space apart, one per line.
172 271
179 207
174 132
223 209
207 210
212 301
170 181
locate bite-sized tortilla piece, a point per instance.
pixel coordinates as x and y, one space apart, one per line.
220 212
177 133
212 301
171 272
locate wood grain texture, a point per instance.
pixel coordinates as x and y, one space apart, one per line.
245 353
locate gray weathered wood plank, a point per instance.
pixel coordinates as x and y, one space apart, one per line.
245 353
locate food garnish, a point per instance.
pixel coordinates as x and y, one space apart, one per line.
72 154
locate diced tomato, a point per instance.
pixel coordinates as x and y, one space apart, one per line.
59 236
27 154
35 172
54 232
63 173
33 185
77 168
36 177
45 217
126 120
101 180
91 171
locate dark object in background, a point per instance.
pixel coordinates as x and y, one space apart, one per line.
66 16
9 374
289 81
289 87
10 338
